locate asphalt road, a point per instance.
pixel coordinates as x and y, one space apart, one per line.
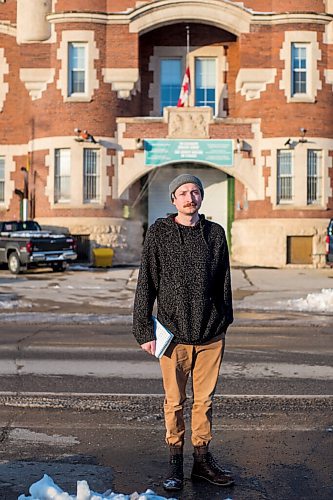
83 402
80 400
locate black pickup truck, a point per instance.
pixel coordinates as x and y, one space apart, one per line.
24 245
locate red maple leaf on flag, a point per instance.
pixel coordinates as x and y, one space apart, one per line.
185 89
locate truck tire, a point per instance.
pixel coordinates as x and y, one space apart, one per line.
14 264
58 267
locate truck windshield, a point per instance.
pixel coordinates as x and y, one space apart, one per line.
14 226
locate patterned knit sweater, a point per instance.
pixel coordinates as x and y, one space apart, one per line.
186 268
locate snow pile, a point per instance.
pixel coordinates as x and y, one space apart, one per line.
46 489
13 304
320 302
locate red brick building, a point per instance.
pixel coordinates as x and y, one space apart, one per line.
88 95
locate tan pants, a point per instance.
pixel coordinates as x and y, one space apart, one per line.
203 363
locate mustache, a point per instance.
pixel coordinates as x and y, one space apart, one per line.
191 204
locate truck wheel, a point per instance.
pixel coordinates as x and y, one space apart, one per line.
58 268
14 264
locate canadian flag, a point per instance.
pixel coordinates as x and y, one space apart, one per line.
185 90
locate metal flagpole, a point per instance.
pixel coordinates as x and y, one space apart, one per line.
187 40
187 56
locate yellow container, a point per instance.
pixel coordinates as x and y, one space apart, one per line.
102 257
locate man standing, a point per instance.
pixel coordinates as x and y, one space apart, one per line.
185 266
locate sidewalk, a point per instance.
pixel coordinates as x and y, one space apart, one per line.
108 294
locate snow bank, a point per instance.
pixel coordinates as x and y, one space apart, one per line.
46 489
320 302
13 304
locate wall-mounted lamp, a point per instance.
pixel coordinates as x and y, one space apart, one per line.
291 143
139 143
243 147
84 136
302 139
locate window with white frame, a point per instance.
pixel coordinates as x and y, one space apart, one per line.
62 175
171 80
2 179
91 176
284 176
205 82
77 68
313 176
299 68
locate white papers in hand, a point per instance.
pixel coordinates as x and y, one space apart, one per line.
163 338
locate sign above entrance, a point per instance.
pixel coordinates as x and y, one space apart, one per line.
161 151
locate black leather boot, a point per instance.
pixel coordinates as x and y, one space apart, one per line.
175 479
205 468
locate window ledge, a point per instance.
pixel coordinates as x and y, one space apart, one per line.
77 98
288 206
302 98
70 206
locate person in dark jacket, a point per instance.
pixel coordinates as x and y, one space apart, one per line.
185 267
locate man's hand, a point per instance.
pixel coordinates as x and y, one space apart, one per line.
149 347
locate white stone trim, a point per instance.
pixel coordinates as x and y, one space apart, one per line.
250 82
225 15
329 6
9 152
314 55
36 80
7 29
328 35
4 70
124 81
92 82
329 76
290 18
148 16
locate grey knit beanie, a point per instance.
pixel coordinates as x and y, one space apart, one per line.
185 179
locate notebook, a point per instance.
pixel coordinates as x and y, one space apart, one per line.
163 338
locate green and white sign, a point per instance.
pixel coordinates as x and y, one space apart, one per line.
161 151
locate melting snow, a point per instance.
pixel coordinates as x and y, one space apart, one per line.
321 302
47 489
13 304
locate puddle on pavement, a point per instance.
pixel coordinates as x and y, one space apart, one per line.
241 294
27 436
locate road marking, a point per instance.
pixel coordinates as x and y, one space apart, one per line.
161 395
150 369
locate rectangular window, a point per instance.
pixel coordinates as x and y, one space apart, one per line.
77 70
171 80
62 175
205 82
91 175
284 176
313 176
2 179
299 68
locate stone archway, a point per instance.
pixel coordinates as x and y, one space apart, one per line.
230 17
